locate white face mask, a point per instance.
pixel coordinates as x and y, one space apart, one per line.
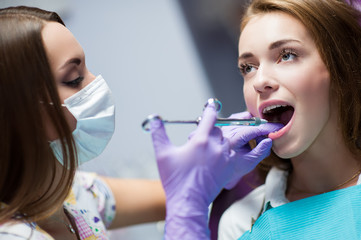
94 111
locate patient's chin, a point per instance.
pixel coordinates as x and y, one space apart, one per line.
286 149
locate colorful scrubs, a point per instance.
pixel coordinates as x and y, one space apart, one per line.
91 204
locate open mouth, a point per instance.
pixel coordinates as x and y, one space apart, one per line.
278 113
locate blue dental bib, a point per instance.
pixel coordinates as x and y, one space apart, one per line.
332 215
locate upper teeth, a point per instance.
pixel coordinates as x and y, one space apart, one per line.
269 108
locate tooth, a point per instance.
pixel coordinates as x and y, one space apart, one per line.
269 108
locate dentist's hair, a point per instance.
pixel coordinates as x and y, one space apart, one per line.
335 28
29 185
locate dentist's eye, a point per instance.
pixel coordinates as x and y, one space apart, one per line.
74 83
287 55
246 69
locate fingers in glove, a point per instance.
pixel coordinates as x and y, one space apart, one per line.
241 115
245 134
208 120
191 135
228 131
259 139
159 135
262 150
216 133
246 163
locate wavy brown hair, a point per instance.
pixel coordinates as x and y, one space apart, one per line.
29 184
335 27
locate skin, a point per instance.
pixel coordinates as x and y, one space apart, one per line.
67 62
137 201
281 65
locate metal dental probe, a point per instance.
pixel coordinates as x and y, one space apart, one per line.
255 121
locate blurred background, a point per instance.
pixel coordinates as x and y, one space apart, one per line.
160 56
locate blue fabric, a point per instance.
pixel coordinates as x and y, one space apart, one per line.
333 215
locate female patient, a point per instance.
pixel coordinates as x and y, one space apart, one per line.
300 60
300 63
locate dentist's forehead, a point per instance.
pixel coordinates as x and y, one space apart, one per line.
60 44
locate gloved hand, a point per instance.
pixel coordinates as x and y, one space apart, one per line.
187 175
193 174
239 136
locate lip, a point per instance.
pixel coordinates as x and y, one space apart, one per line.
285 129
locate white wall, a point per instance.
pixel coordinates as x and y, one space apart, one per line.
145 53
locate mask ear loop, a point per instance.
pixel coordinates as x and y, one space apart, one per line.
51 103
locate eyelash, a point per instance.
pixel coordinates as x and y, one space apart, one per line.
74 83
243 67
282 53
286 51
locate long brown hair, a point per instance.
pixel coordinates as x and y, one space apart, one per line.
27 86
335 27
33 11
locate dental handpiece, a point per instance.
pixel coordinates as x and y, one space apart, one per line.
255 121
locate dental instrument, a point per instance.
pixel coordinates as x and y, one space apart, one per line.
255 121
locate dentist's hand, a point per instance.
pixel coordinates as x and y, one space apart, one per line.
239 136
193 174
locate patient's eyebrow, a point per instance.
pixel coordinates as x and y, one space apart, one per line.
245 56
280 43
274 45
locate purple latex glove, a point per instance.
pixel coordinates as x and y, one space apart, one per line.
193 174
187 175
239 136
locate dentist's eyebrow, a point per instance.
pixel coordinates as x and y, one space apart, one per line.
76 61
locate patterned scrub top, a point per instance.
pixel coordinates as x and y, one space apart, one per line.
90 203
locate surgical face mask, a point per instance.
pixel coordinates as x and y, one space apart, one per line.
94 111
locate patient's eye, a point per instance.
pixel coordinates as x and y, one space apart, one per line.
287 55
246 69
